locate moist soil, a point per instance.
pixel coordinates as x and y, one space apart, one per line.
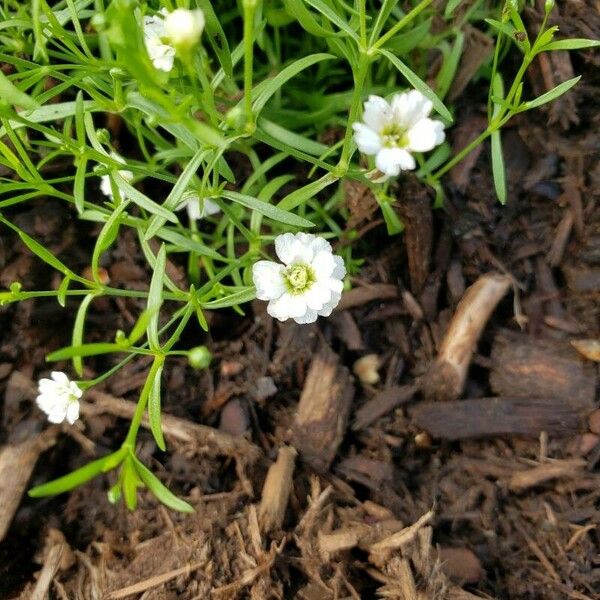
404 486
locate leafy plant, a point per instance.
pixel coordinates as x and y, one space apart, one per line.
268 82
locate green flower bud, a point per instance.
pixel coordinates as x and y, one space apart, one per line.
200 357
235 118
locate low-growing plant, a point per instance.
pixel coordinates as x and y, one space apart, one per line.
227 106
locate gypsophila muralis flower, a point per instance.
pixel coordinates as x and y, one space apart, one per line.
307 285
184 27
161 53
59 398
198 208
392 130
105 186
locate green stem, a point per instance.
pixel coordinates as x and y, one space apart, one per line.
407 18
138 415
359 80
464 152
249 12
363 22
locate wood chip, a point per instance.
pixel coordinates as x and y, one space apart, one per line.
367 293
17 461
399 539
383 403
483 417
49 570
446 377
588 348
276 490
414 206
524 480
320 422
207 439
548 368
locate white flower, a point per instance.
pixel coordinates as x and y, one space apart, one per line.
184 27
161 53
105 186
59 398
307 285
391 131
198 208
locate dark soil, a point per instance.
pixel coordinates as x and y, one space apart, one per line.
514 492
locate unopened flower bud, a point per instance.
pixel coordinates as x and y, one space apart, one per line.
235 118
200 357
184 27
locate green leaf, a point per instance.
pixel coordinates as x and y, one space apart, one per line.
330 14
93 349
160 490
184 243
139 327
300 195
403 43
240 297
498 167
268 210
80 476
506 28
11 94
291 138
216 37
79 184
78 327
130 482
173 200
572 44
108 234
264 90
61 295
451 6
554 93
142 200
418 84
306 19
40 251
155 297
154 407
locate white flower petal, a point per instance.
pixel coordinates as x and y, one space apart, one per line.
72 413
290 248
57 416
162 55
317 296
367 140
339 270
328 308
60 377
410 107
268 279
425 135
393 160
310 316
105 186
184 27
376 112
58 398
323 265
287 307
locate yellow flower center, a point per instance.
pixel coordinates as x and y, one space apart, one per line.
298 278
394 136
